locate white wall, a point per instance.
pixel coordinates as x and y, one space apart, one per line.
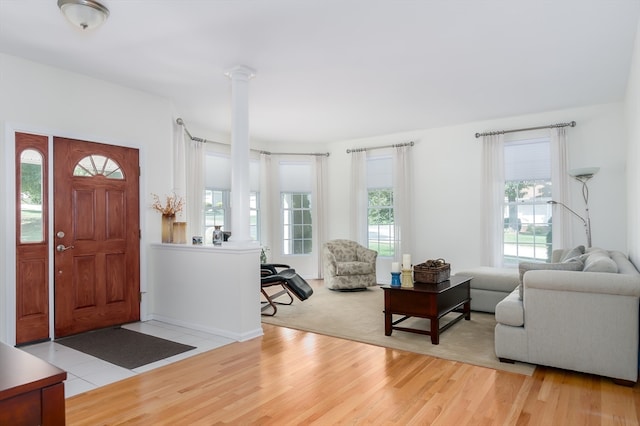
39 99
197 287
632 114
447 181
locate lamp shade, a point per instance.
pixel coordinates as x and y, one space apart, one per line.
84 14
584 173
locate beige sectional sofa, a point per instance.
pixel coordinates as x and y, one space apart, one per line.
577 320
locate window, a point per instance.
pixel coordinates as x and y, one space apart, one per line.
380 215
216 208
527 216
297 227
98 165
295 207
217 196
217 212
31 197
380 221
254 216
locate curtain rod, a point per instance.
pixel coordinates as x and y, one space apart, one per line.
550 126
397 145
180 122
317 154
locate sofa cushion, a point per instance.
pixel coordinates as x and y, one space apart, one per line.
599 261
572 254
354 268
344 252
624 264
491 278
510 311
575 265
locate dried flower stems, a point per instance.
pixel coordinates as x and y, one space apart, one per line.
172 205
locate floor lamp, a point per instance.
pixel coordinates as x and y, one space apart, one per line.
582 176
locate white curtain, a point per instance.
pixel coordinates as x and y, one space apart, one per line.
266 202
358 220
319 191
194 165
402 200
561 226
179 173
492 213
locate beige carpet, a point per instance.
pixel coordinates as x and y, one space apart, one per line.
358 316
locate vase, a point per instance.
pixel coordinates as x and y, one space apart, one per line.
217 236
167 227
179 233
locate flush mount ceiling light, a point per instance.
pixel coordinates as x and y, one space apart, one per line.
84 14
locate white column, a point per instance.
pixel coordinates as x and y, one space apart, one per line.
240 76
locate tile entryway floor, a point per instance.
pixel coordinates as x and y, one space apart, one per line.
85 372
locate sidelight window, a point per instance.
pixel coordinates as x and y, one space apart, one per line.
31 197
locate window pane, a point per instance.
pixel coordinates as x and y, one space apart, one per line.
527 221
216 211
527 216
297 201
380 221
296 221
98 165
31 216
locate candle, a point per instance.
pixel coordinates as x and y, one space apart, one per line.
395 267
406 261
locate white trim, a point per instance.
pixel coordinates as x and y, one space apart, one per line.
10 230
238 337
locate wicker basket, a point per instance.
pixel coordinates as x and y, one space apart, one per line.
432 271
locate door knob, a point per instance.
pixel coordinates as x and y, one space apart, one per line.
62 248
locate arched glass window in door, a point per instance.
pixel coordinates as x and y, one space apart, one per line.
98 165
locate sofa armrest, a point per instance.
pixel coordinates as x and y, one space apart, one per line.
584 282
365 254
330 261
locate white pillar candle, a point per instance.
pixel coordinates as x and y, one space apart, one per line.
406 261
395 267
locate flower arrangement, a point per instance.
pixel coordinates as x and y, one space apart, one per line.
173 204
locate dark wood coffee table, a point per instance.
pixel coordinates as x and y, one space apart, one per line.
432 301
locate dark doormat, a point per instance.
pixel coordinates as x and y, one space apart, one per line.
126 348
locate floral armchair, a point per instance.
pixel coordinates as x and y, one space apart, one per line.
348 265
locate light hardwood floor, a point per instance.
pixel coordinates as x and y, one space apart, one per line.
295 377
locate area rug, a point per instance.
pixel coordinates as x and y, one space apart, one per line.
359 316
126 348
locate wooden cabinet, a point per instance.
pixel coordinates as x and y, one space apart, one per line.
31 390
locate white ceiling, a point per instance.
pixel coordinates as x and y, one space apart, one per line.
341 69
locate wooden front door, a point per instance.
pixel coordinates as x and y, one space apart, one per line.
96 236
